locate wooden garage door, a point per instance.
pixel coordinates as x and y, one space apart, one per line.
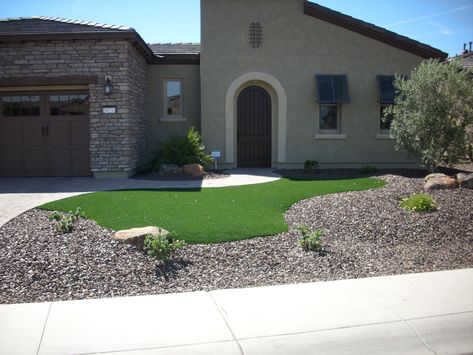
44 134
254 128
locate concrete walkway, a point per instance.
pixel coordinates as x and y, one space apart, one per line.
429 313
18 195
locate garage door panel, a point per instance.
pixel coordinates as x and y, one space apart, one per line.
59 134
12 135
33 135
44 134
60 162
81 162
80 134
34 162
13 162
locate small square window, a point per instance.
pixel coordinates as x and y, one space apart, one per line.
329 121
385 124
173 97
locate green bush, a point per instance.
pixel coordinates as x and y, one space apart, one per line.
419 203
162 246
55 215
182 150
310 240
65 224
311 165
368 169
78 213
65 221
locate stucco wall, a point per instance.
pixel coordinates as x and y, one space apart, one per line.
160 127
295 48
117 141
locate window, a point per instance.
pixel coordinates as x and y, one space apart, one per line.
384 125
386 99
68 105
19 106
329 118
173 97
332 92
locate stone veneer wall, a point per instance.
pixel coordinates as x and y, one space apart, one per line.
118 142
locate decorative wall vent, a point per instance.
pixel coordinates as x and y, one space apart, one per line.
256 34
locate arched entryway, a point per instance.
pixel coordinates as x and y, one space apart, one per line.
254 128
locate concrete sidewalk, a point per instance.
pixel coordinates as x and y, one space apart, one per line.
429 313
18 195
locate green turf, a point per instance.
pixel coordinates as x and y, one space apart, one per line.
209 215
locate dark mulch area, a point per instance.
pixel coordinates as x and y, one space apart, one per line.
169 176
366 234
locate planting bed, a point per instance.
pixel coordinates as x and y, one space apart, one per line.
366 234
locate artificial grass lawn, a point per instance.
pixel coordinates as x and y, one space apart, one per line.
208 215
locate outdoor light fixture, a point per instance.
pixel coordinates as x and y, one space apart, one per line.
108 87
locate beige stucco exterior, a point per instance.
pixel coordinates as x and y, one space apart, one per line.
295 48
160 126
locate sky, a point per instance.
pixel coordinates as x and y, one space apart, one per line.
443 24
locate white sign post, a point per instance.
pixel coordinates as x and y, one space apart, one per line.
216 155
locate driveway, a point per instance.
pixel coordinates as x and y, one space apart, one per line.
18 195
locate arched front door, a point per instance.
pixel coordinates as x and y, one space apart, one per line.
254 128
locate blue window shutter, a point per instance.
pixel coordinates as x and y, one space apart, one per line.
386 89
332 89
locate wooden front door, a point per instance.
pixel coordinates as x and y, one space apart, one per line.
254 128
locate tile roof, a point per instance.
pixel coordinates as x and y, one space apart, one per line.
175 48
466 58
47 25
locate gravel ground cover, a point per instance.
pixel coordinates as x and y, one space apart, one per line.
366 234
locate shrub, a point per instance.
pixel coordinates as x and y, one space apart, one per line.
310 240
433 114
311 164
368 169
162 246
419 203
65 221
182 150
78 213
55 215
65 224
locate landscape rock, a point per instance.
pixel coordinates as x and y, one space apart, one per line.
193 169
434 176
465 180
439 181
136 236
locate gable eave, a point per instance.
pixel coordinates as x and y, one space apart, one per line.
372 31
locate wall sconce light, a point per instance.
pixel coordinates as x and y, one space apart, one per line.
108 87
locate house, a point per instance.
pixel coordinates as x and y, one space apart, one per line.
273 83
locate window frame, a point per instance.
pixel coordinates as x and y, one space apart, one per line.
384 103
382 130
21 94
165 98
336 131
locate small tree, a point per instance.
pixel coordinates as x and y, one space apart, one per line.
433 114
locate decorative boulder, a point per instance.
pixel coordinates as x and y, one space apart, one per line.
465 180
136 236
434 176
196 170
439 181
